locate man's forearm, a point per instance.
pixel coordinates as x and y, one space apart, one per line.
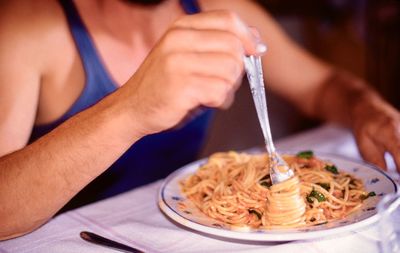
36 181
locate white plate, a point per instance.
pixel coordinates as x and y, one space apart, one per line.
170 197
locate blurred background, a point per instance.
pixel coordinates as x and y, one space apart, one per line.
362 36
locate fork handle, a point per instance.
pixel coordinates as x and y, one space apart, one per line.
254 73
102 241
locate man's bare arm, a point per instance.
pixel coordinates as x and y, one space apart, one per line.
320 89
175 78
36 181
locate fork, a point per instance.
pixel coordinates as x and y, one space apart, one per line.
279 170
102 241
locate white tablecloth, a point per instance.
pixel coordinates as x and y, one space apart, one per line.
134 218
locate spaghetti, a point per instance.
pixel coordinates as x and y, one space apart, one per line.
235 188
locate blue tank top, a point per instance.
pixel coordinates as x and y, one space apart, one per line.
152 157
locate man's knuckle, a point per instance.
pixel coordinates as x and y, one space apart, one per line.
171 61
237 47
230 16
218 96
394 124
179 22
232 67
173 35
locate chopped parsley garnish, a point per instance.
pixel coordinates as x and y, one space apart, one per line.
365 196
332 169
326 186
252 211
307 154
315 194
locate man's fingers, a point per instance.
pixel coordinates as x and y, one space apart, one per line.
218 65
396 157
391 137
229 100
255 32
372 152
223 21
204 41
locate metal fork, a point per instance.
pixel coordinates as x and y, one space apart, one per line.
102 241
279 170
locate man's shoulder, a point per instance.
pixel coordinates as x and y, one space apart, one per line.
31 30
29 17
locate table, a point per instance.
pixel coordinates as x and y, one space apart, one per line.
135 219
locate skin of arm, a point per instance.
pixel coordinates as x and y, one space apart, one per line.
36 180
321 90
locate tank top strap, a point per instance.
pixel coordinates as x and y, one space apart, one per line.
92 63
190 6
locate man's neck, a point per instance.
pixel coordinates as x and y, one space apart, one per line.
127 21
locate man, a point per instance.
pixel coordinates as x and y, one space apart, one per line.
59 134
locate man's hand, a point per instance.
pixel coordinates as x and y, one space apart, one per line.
348 100
198 62
376 126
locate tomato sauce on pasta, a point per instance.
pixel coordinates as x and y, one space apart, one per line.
235 188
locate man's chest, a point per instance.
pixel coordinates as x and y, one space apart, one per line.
66 76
